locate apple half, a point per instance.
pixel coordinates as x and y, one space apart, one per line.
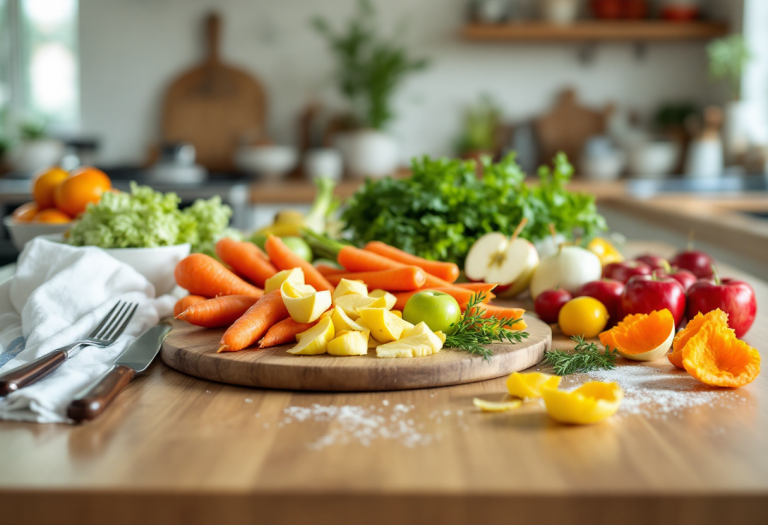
494 258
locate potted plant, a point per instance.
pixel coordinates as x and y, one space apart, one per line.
35 150
727 58
481 126
369 69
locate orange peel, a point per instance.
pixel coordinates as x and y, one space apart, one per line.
716 357
642 337
718 317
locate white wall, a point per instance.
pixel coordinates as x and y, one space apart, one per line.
131 50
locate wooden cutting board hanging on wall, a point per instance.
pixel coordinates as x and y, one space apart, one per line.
214 106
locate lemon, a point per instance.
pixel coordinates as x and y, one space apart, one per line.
590 403
530 384
605 251
584 316
296 276
315 340
490 406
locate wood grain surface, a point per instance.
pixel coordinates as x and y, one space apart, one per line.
192 350
176 450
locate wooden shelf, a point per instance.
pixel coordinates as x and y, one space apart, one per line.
595 30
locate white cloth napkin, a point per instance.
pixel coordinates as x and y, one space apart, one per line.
58 295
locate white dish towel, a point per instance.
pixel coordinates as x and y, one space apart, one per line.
58 295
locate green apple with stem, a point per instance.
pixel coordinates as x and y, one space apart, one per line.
440 311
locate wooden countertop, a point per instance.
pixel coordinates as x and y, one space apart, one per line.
177 450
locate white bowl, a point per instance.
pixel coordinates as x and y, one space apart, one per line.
603 167
156 264
23 232
653 160
266 161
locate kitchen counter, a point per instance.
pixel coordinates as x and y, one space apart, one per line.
177 450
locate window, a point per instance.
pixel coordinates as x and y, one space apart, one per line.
38 64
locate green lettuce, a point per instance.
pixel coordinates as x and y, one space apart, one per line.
145 218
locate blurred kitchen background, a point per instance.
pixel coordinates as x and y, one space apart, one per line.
251 99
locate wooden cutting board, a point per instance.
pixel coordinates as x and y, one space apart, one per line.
214 106
192 350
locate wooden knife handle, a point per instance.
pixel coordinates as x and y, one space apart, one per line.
31 372
92 401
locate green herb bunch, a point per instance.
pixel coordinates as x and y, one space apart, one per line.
473 331
586 357
441 210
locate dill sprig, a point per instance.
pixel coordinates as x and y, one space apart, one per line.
585 357
474 332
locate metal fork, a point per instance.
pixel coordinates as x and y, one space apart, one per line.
105 334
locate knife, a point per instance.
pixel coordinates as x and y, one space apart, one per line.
92 401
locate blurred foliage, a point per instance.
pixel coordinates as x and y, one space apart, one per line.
727 58
481 122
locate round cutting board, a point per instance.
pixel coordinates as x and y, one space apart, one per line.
192 350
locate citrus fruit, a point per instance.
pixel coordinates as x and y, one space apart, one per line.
590 403
716 357
45 184
491 406
53 216
642 337
84 186
26 212
605 251
584 316
717 317
530 384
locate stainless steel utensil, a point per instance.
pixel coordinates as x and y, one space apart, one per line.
92 401
105 334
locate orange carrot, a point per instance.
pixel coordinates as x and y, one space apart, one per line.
203 275
329 270
402 279
265 313
246 259
462 296
357 260
478 287
185 302
282 257
501 312
284 332
449 272
220 311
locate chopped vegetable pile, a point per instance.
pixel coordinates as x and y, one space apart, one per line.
145 218
444 207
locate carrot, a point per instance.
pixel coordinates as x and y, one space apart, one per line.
220 311
357 260
203 275
501 312
478 287
462 296
395 280
246 259
185 302
329 270
282 257
284 332
254 323
446 271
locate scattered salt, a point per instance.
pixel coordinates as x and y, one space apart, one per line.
248 400
385 402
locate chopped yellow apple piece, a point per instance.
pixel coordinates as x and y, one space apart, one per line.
491 406
347 287
383 299
295 276
303 302
315 340
384 326
414 346
397 313
349 343
350 303
421 329
342 321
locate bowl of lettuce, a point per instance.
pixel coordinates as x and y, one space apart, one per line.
147 230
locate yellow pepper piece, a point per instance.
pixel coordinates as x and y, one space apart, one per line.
590 403
530 384
490 406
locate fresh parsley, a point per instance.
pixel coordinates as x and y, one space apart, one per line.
586 357
473 331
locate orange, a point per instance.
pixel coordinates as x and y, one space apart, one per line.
717 317
84 186
642 337
44 187
716 357
26 212
52 215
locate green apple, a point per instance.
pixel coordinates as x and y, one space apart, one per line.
437 309
259 239
298 246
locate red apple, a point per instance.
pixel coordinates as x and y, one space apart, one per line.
549 303
684 277
656 262
646 293
696 262
608 292
736 298
624 271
